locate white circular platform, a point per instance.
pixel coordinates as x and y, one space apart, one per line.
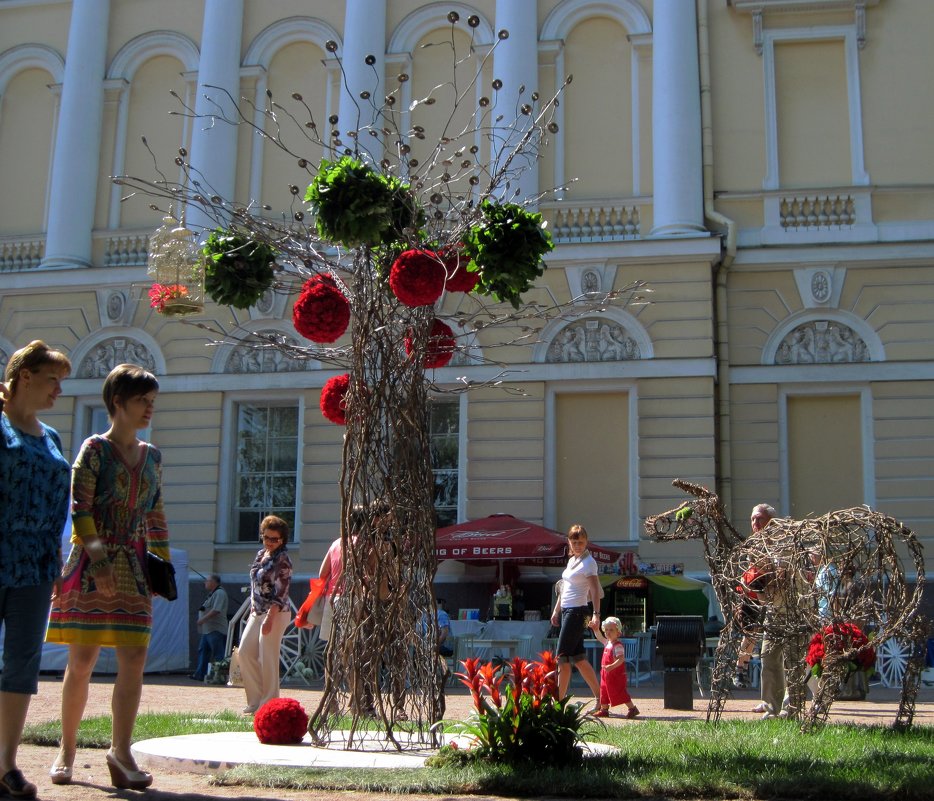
214 753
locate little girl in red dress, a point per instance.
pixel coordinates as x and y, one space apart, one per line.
613 671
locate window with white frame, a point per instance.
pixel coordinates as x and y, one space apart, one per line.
444 444
266 468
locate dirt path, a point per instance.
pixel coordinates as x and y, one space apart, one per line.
177 693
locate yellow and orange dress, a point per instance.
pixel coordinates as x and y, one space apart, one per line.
122 505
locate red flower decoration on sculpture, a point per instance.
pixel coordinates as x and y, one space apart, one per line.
417 277
458 277
281 721
441 344
333 399
321 312
837 638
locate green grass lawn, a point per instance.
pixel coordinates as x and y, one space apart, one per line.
689 759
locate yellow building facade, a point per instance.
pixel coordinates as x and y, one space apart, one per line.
763 166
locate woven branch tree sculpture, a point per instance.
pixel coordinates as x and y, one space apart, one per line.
807 582
388 241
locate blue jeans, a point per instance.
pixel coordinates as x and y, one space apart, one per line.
24 615
210 649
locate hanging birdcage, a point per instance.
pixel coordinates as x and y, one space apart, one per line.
176 266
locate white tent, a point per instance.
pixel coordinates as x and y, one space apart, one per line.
168 649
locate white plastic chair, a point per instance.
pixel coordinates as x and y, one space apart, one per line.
632 659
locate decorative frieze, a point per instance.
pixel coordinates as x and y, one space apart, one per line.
593 340
822 342
257 355
117 350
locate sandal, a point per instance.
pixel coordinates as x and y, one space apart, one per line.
601 713
14 785
633 713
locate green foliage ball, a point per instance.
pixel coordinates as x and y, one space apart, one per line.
507 247
357 206
237 269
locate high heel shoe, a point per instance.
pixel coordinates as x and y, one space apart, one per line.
60 774
123 778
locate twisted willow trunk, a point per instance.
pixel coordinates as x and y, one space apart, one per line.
382 661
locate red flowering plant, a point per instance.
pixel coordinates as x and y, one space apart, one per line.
517 715
841 641
280 721
161 295
459 278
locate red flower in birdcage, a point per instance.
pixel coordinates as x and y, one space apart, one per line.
417 277
161 294
839 638
281 721
459 279
441 344
333 399
321 312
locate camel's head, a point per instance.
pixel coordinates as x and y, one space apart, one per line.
693 519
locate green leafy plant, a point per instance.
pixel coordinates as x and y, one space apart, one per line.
507 248
357 206
238 270
517 715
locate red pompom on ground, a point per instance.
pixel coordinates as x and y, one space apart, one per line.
417 277
458 278
321 312
333 395
280 721
441 344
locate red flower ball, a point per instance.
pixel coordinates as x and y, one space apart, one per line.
321 312
441 344
417 277
333 395
458 278
280 721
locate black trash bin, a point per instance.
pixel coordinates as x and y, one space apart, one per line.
679 641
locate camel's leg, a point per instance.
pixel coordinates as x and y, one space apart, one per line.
722 674
827 687
912 677
796 675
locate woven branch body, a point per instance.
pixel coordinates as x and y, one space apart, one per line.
382 659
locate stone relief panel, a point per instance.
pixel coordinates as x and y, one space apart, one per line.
593 340
822 342
253 356
108 354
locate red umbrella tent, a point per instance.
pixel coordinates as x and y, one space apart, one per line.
504 537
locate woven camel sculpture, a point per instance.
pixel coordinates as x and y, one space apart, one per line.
784 604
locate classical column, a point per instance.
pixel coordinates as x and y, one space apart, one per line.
677 164
364 41
214 144
76 161
515 63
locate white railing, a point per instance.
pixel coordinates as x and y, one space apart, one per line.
19 253
124 248
597 220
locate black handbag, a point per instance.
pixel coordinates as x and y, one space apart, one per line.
161 576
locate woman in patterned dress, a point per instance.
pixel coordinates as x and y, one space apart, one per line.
34 478
105 601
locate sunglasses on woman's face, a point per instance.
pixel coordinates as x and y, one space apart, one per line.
267 538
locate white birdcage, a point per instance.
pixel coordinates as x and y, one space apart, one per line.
176 267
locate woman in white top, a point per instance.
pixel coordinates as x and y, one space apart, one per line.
579 585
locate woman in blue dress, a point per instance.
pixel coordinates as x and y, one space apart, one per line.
34 481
